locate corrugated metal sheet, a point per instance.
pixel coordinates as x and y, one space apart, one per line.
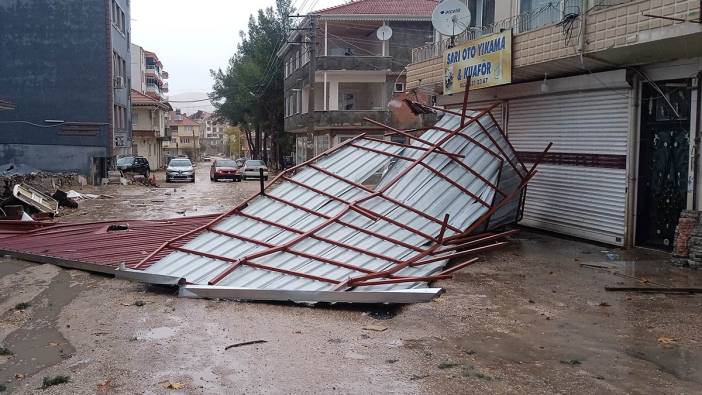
91 246
317 232
586 202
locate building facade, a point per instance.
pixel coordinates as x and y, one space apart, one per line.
342 72
150 107
213 138
150 127
616 87
147 74
66 68
184 137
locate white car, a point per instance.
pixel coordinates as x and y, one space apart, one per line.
180 169
251 169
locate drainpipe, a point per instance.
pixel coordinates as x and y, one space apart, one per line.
695 115
632 162
583 24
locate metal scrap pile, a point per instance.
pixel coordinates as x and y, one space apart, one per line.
370 221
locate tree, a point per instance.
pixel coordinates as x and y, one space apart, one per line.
249 93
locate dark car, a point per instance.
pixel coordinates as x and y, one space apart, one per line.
224 169
133 164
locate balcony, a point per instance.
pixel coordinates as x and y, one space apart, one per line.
326 63
337 119
352 121
615 34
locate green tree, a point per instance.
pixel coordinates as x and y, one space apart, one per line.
249 93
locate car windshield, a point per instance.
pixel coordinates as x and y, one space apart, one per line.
255 163
125 161
226 163
180 163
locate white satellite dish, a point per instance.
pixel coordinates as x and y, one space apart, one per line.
451 17
384 33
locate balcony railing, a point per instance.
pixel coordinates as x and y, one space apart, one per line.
354 63
336 118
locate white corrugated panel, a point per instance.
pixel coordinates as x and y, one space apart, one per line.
211 253
587 202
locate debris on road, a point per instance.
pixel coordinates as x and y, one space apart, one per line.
35 198
376 328
662 290
64 200
56 380
245 344
173 386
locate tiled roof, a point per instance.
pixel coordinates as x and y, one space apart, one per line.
411 8
172 121
140 99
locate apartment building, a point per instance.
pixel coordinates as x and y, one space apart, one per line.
184 136
72 107
340 70
147 73
150 127
615 86
213 138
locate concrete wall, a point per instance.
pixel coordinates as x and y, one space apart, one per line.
55 158
120 42
405 36
54 66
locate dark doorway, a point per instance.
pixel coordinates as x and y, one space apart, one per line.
663 161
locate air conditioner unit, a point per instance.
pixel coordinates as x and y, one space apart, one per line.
118 82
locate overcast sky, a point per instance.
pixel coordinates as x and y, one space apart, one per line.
192 37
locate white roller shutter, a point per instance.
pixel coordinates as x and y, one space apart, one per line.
578 200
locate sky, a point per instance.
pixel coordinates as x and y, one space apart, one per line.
192 37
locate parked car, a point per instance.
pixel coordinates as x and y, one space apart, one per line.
133 164
223 169
240 162
251 169
180 169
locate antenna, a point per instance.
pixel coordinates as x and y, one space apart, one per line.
451 17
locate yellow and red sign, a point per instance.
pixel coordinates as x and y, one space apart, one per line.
486 60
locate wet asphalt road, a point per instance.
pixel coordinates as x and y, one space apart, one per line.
528 319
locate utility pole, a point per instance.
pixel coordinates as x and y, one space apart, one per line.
312 69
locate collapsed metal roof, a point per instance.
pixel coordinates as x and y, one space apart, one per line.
369 220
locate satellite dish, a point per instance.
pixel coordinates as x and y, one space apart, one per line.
450 17
384 33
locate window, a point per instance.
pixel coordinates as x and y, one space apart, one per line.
135 118
400 87
544 12
321 143
185 140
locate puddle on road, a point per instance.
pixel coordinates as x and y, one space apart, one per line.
163 332
38 343
9 266
680 362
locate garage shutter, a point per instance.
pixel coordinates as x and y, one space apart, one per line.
580 189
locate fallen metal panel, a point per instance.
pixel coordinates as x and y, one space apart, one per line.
140 275
366 217
399 296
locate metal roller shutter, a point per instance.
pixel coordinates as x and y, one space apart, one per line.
576 191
